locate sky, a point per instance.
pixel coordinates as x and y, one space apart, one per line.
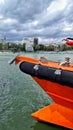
47 20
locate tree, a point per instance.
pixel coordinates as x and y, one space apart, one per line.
1 46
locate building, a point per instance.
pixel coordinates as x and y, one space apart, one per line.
3 40
29 43
35 41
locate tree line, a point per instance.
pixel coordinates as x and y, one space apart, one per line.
52 47
12 47
39 47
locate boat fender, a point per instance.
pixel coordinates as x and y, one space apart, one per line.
52 74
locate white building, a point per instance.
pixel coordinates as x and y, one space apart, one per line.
3 40
28 44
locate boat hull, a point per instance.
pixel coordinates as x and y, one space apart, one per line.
60 112
61 94
57 82
55 114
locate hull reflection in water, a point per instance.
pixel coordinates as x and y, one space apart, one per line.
43 126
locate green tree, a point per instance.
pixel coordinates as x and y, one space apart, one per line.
23 47
1 46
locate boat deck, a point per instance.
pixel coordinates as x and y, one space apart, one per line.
57 65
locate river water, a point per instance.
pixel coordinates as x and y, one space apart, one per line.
20 95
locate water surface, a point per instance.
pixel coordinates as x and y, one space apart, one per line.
20 95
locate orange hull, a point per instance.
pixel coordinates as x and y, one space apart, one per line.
55 114
61 111
62 95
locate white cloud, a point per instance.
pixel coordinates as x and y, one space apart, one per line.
49 20
34 23
52 13
14 31
9 21
2 1
57 6
1 17
67 27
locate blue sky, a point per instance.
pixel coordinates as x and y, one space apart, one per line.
49 20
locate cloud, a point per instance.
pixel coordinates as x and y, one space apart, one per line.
48 20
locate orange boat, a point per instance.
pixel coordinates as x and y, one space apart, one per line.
57 81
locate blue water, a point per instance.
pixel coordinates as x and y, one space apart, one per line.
20 95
